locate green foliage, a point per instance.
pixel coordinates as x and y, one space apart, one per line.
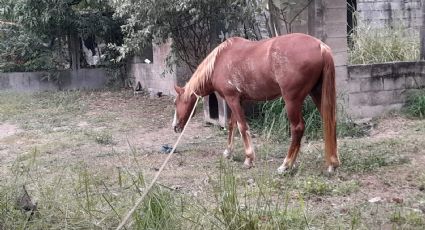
36 33
193 25
387 44
415 104
21 50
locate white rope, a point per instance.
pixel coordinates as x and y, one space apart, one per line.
124 221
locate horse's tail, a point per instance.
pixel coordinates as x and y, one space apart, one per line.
328 107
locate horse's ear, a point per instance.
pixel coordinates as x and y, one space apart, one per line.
179 90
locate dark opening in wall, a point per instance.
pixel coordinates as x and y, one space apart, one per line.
351 18
147 54
213 106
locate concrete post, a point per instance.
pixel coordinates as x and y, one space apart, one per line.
423 32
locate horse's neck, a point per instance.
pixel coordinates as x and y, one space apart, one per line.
207 89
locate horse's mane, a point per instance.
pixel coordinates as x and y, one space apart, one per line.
203 72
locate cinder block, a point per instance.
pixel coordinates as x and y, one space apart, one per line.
395 82
371 84
359 71
380 70
337 44
358 99
381 97
358 112
354 86
406 68
340 58
415 82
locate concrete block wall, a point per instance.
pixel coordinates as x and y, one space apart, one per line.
385 12
64 80
379 88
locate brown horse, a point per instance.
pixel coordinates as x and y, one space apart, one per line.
291 66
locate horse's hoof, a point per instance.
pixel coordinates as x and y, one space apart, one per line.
331 170
282 169
227 154
248 163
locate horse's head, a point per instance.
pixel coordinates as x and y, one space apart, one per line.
184 107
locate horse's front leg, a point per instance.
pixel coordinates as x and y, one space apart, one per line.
231 129
239 117
297 130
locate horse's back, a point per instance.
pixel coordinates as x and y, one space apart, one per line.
261 70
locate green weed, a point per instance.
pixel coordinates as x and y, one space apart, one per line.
102 137
316 186
403 217
415 104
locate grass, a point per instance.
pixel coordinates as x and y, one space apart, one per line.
41 110
358 157
388 44
77 187
415 104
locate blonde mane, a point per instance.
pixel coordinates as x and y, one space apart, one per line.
204 71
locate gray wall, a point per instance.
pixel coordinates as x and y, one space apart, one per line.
384 12
379 88
155 76
62 80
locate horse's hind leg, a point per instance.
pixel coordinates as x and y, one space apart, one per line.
332 160
228 151
293 109
239 117
316 96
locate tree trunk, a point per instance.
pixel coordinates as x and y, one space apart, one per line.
423 32
274 19
74 50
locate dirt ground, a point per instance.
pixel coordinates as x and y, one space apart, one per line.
109 131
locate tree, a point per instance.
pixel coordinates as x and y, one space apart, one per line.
284 13
195 26
59 24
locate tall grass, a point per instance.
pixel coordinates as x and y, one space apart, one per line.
273 124
241 206
370 44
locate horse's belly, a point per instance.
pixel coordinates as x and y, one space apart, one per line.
261 90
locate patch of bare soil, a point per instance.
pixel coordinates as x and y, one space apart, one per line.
7 130
7 137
